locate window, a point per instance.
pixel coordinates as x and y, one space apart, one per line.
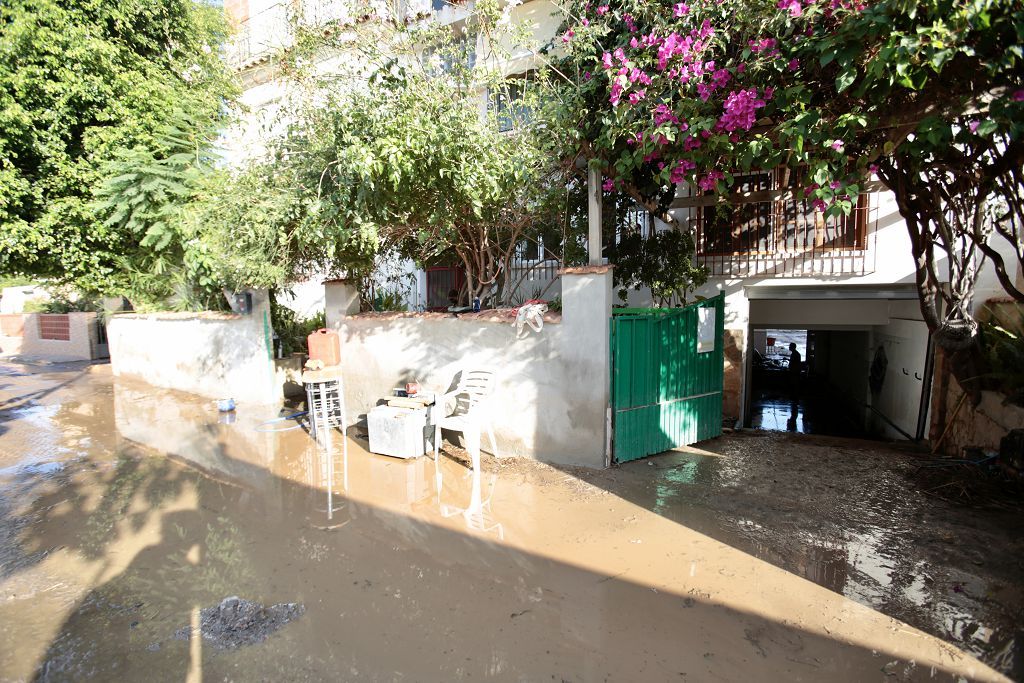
509 104
773 216
459 54
746 227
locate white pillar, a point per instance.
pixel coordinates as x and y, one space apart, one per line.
586 314
341 299
594 215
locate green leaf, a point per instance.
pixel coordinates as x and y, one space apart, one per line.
846 78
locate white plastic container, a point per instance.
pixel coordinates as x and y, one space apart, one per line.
398 432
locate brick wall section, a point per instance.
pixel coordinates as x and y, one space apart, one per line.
982 425
732 378
55 327
81 341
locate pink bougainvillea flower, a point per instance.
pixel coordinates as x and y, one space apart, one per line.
710 181
602 10
636 96
606 61
586 75
639 76
620 55
608 185
616 93
627 19
794 64
568 36
792 6
681 9
634 43
819 205
680 170
838 145
835 184
1018 96
973 126
810 188
585 22
740 110
663 114
873 168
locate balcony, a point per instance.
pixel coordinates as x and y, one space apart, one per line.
269 29
768 229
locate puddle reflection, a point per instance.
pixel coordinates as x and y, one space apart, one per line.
415 569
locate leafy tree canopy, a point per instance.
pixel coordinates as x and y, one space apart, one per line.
416 143
927 94
83 83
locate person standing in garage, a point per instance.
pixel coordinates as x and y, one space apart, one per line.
794 367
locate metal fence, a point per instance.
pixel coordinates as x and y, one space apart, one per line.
769 228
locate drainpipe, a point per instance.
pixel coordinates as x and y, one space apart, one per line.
926 389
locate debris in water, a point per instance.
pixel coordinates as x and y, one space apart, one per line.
236 622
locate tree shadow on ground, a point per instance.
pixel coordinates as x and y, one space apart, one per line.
387 594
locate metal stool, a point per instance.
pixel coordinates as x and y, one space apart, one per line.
325 400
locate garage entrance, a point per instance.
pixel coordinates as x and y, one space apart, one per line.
808 381
862 364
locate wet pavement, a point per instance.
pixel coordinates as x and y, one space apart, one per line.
128 514
805 412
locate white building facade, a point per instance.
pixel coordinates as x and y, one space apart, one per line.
846 285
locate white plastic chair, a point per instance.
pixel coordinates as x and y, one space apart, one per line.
470 416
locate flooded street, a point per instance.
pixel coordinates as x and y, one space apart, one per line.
143 538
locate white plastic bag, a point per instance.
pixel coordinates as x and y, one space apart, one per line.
532 315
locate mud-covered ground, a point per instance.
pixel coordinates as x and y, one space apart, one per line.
131 517
852 516
855 516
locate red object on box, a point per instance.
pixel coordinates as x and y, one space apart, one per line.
324 345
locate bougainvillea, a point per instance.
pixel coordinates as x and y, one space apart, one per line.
926 95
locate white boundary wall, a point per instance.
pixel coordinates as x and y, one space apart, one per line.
84 343
551 400
216 355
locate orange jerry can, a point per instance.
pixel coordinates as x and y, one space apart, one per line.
324 345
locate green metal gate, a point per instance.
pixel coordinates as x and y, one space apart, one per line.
667 366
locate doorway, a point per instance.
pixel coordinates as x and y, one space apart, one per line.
809 381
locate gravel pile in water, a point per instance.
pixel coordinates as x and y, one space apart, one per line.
236 622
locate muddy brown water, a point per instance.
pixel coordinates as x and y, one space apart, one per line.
126 511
